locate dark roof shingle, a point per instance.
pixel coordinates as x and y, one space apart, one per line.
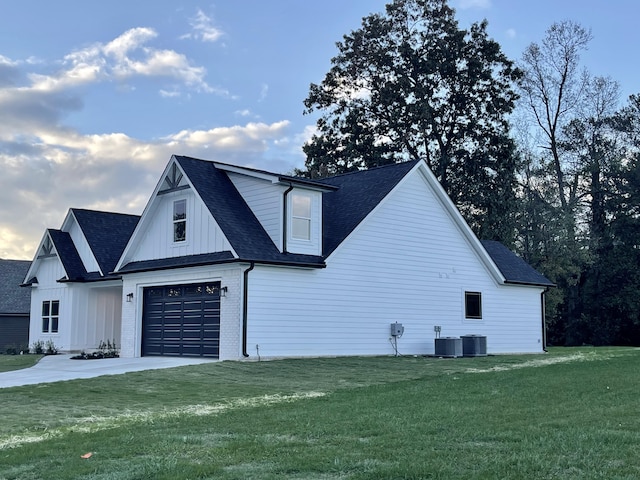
13 299
68 255
107 234
513 268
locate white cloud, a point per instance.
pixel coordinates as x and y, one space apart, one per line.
203 29
511 33
49 167
126 57
57 168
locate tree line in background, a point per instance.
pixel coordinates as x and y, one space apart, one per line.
538 153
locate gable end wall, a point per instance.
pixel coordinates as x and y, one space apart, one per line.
407 262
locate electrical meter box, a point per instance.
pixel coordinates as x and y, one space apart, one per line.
397 329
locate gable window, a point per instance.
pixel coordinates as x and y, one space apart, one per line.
50 316
473 305
301 216
180 221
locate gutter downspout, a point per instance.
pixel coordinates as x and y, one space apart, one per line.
245 309
284 218
544 319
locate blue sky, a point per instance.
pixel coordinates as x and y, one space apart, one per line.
96 96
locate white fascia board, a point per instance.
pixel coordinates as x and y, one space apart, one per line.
248 172
272 177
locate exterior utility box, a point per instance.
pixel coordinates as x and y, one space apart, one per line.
397 329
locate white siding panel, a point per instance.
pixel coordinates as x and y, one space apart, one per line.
203 233
97 311
265 201
407 263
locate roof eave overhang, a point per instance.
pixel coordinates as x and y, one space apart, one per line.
90 280
530 284
281 263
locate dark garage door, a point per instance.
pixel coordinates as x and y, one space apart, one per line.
182 320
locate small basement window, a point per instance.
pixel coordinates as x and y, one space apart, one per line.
50 316
301 216
473 305
179 221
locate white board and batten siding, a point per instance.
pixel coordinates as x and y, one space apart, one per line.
50 270
88 313
417 266
96 315
203 235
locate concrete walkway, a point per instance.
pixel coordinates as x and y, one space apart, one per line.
57 368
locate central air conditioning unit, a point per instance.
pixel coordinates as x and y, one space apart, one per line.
448 347
474 345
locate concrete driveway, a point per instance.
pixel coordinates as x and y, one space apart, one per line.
57 368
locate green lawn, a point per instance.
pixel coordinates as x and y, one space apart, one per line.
571 414
17 362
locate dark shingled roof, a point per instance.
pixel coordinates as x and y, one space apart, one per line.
357 195
13 299
513 268
68 255
107 234
178 262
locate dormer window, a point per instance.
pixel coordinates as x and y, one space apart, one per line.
301 216
179 221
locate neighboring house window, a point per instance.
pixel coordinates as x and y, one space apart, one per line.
50 312
473 305
301 216
180 221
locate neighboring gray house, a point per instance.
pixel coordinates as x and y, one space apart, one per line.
231 262
14 305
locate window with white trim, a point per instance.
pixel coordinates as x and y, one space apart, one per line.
179 221
300 216
473 305
50 316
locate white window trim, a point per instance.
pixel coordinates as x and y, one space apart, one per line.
308 219
464 305
175 242
50 317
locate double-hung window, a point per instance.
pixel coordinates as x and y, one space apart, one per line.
179 221
50 316
301 216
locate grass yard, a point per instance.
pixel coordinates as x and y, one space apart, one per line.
571 414
17 362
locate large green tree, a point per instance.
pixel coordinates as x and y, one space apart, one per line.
410 83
